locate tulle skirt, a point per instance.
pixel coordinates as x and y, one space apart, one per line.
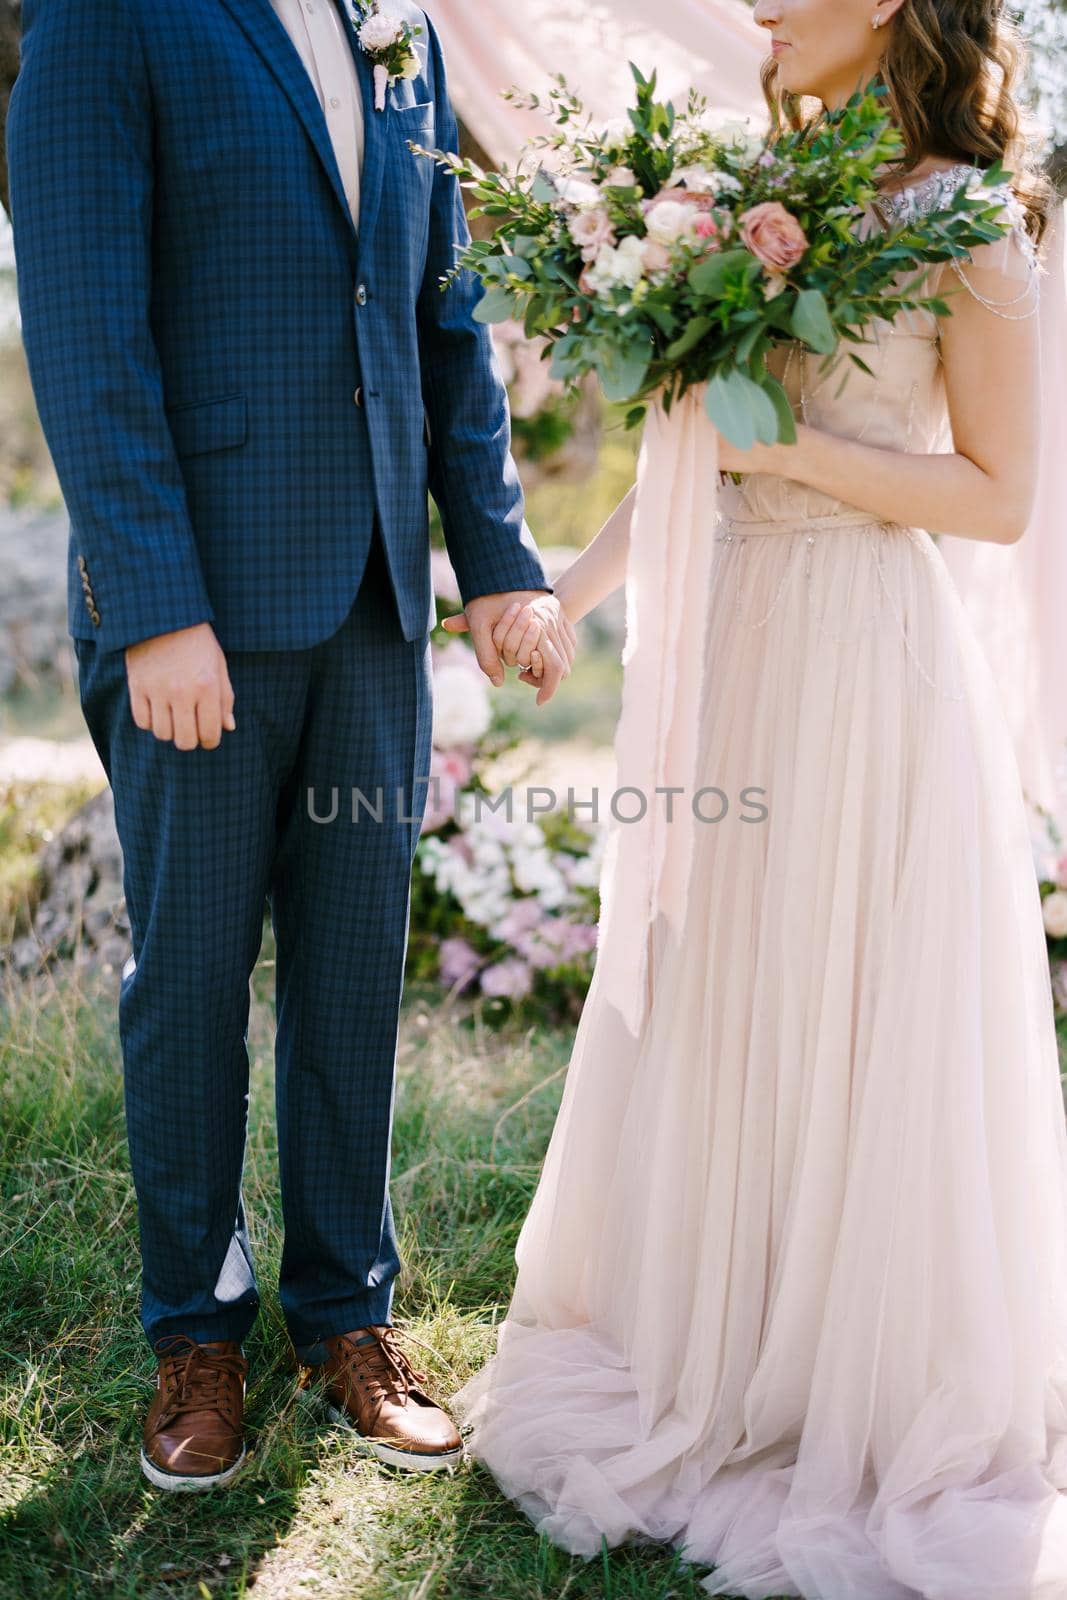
792 1292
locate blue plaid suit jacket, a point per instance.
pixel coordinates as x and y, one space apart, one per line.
232 381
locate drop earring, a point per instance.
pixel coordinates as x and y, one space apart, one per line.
875 22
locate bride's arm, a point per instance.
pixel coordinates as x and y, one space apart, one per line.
601 567
984 489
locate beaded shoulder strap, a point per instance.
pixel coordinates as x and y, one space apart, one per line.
919 199
933 191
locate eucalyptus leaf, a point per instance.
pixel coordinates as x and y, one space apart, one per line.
496 305
728 404
709 276
695 330
622 372
786 431
811 321
764 413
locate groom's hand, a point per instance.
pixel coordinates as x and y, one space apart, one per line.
524 627
180 688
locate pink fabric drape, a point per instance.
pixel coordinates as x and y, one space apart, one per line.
490 45
1016 596
647 859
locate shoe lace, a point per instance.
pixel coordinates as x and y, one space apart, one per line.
197 1378
381 1367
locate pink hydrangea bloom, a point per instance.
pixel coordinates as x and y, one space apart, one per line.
510 979
459 963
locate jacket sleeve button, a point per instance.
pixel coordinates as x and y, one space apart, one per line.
358 396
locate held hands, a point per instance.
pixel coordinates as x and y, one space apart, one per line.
526 628
180 688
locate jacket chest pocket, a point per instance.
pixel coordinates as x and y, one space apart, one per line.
415 123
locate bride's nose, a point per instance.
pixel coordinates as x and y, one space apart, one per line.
766 13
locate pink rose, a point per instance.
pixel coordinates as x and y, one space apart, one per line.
705 227
655 257
773 234
590 229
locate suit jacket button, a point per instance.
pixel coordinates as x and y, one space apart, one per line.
361 295
95 615
81 564
358 396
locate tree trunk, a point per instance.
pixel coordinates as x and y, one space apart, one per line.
10 29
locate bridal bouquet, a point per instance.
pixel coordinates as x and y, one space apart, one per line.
668 250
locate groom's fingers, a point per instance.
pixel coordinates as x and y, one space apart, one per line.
456 623
209 721
141 710
485 651
183 717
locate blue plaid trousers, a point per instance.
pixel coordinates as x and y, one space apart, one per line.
286 809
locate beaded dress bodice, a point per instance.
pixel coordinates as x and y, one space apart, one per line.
902 405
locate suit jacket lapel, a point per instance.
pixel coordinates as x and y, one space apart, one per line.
268 33
374 134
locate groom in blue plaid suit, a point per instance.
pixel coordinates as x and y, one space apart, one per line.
247 393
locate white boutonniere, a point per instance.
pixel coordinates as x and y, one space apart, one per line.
389 42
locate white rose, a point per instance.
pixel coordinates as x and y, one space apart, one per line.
629 265
620 178
617 264
735 132
576 191
379 31
668 220
616 131
461 710
1054 911
698 180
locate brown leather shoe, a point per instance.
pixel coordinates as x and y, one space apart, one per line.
367 1383
193 1430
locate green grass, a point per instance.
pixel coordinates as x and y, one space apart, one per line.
310 1516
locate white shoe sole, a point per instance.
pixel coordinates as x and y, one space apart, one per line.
192 1482
409 1460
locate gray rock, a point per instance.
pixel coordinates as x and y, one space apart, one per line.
34 643
80 909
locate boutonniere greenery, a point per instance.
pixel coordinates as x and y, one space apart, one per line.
389 42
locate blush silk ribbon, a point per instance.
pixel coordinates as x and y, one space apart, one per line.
645 870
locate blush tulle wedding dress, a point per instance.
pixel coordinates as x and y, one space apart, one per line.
792 1292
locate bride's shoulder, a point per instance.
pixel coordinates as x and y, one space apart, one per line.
925 194
933 191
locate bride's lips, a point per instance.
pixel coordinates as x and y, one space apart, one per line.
777 46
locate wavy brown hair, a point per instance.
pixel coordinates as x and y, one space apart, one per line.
951 68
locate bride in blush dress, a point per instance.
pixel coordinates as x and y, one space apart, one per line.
792 1292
